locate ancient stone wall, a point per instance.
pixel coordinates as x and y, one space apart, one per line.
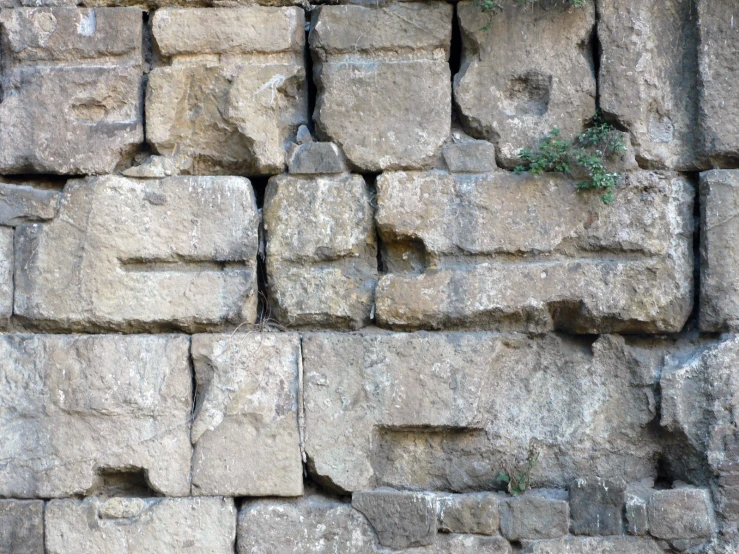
271 284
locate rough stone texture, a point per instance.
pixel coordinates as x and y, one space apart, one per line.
400 519
384 92
525 70
596 506
637 498
130 254
6 273
21 527
245 431
472 156
459 544
592 545
469 513
534 516
71 89
684 513
450 411
235 92
321 250
127 525
315 158
514 252
719 302
719 67
75 407
648 78
154 167
20 203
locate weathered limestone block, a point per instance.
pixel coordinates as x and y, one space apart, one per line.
516 252
400 519
245 431
74 408
71 89
470 156
235 92
595 545
22 203
534 515
719 75
596 506
469 513
459 544
130 254
21 527
719 302
648 78
449 411
684 513
127 525
321 250
525 70
6 273
316 158
384 92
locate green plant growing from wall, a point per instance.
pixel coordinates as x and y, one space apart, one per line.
517 481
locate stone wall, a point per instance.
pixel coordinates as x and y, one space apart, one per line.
270 285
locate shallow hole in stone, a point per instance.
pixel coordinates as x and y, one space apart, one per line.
126 482
530 92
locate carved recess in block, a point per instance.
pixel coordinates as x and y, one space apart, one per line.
517 252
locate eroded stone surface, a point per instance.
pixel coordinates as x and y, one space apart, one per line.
134 254
21 203
21 527
684 513
245 431
123 525
400 519
517 252
596 506
429 411
321 250
595 545
383 80
74 407
469 513
6 273
235 92
316 158
525 70
71 89
534 516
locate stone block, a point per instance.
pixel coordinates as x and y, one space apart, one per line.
76 410
469 513
719 302
718 71
449 411
596 506
234 94
684 513
6 273
525 70
129 254
21 527
71 89
648 78
316 158
460 544
22 203
245 431
123 525
595 545
471 156
516 252
400 519
384 92
321 250
534 516
637 499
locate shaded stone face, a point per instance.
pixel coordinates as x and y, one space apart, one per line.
383 81
684 513
77 408
130 254
521 253
123 525
469 513
599 545
6 273
71 89
525 70
534 516
245 430
596 506
21 203
21 527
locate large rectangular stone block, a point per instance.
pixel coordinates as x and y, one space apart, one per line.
384 91
128 525
595 545
6 273
450 411
321 250
525 70
130 254
76 408
72 100
21 527
516 252
245 431
235 92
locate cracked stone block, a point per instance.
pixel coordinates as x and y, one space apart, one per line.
245 431
450 411
596 506
321 250
684 513
6 273
595 545
511 252
129 254
22 203
72 100
719 75
525 70
384 92
469 513
719 302
21 527
648 78
127 525
534 515
77 408
234 94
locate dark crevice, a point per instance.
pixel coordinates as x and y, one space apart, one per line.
50 182
259 185
692 322
126 482
193 403
455 48
312 89
596 52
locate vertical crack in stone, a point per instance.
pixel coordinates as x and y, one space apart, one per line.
193 404
309 79
263 310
